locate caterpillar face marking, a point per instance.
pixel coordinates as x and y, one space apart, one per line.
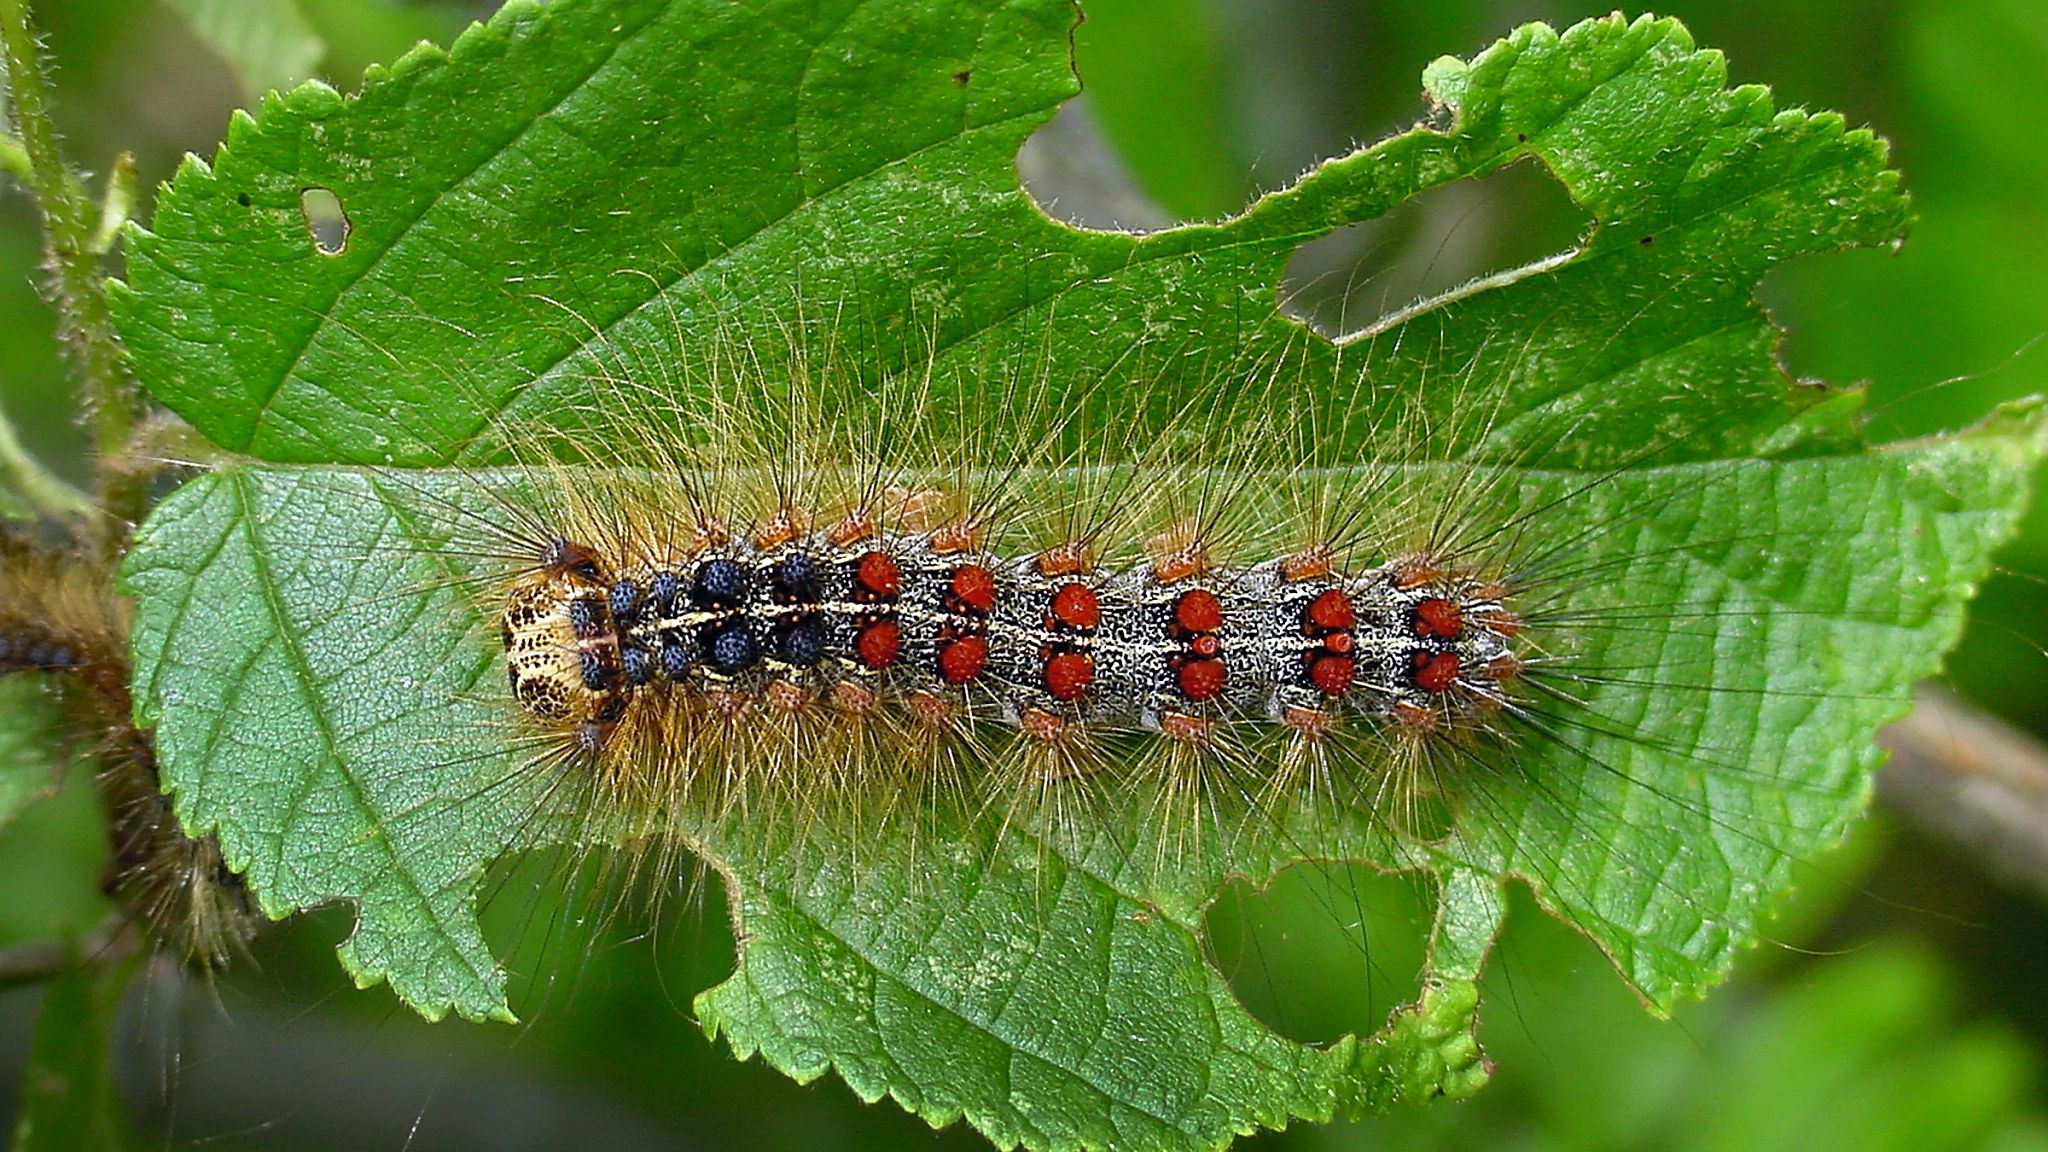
1050 644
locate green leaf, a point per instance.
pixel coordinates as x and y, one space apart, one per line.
69 1101
776 185
522 232
267 42
30 727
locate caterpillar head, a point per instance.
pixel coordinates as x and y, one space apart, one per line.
561 650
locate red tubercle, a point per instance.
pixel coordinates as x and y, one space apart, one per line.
1077 606
1198 610
962 658
1202 680
1332 609
1205 645
1436 671
974 587
1439 617
1331 675
1068 675
879 644
878 573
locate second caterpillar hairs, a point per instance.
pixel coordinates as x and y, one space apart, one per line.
62 621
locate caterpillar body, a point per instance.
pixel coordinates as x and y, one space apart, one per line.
854 618
737 611
745 609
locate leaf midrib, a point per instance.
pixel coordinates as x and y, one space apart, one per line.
317 708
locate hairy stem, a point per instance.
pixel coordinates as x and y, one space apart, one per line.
70 222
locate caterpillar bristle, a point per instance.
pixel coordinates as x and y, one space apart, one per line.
1463 555
60 618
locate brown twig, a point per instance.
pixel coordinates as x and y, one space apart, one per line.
1973 780
111 940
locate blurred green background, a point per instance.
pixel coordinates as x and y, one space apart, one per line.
1903 1002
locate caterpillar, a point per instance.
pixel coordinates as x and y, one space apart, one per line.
719 608
660 619
61 620
1542 671
975 671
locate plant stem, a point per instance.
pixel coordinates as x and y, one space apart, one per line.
42 489
70 220
14 159
1973 780
111 940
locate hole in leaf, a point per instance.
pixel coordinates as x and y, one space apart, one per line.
326 222
558 915
1363 275
1069 168
1323 951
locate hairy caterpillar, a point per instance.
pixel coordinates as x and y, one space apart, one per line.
778 604
60 618
1423 650
1691 595
1612 632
